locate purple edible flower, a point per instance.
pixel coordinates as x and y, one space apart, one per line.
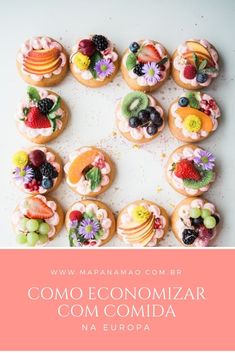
24 175
152 73
88 228
104 68
205 160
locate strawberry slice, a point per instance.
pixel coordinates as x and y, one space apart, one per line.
185 169
37 209
36 119
148 53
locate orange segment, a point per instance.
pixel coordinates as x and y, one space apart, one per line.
79 164
205 119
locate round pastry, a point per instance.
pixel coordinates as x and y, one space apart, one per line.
94 61
37 220
193 116
145 65
41 116
194 222
89 223
42 61
142 223
90 171
140 117
37 170
195 64
191 170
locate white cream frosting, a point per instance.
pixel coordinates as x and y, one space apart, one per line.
184 213
141 80
140 132
83 186
215 114
100 214
22 210
26 103
180 62
126 218
108 54
40 43
190 154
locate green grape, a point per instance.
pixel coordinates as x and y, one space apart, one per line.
23 223
44 228
32 225
195 212
43 238
209 222
205 213
21 238
32 238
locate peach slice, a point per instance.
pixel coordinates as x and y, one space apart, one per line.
42 69
205 119
197 47
80 163
201 57
44 53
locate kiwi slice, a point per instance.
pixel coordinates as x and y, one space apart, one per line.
207 177
134 102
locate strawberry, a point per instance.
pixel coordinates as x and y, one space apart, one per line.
190 72
185 169
37 209
36 119
148 53
75 216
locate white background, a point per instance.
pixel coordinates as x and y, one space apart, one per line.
140 171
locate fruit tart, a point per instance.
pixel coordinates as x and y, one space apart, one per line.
193 117
37 220
142 223
194 222
41 116
94 61
89 171
145 65
191 170
90 223
195 64
139 117
37 170
42 61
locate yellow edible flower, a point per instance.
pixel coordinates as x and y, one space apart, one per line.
20 159
140 214
192 123
81 61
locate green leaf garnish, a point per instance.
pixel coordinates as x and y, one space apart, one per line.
196 60
163 61
56 105
94 175
209 70
71 232
25 111
94 59
130 61
33 94
99 234
193 100
202 65
53 124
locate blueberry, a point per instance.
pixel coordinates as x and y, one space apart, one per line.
47 183
196 221
152 129
144 117
134 47
134 122
189 236
183 102
201 78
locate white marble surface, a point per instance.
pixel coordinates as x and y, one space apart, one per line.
140 171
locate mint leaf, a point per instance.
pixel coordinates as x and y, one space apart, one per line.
25 111
53 124
163 61
130 61
196 60
202 65
56 105
94 175
209 70
94 59
193 101
33 94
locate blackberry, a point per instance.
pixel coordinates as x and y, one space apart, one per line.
100 42
45 105
48 170
37 174
189 236
138 70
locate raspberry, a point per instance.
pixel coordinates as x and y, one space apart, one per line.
190 72
75 216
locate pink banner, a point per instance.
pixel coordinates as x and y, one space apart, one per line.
153 299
